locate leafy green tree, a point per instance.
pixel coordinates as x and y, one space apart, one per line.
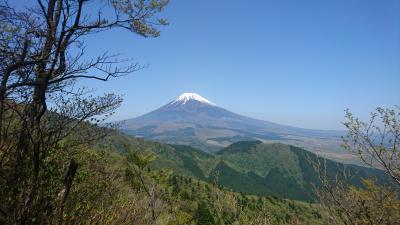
44 119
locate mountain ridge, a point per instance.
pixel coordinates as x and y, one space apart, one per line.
193 120
250 167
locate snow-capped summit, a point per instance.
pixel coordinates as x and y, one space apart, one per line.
186 97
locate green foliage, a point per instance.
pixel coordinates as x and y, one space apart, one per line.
250 167
141 159
370 205
46 122
180 199
94 186
204 215
141 14
375 204
115 188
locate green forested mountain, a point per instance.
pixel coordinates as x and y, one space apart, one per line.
187 197
250 167
284 170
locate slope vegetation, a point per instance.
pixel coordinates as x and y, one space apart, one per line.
250 167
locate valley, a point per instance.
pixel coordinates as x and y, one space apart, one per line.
249 167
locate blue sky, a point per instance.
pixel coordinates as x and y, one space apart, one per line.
300 63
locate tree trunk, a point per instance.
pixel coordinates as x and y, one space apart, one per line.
63 194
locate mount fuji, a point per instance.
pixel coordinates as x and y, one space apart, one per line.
193 120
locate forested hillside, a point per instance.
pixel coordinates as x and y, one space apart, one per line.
110 192
250 167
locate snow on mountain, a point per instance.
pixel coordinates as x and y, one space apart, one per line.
186 97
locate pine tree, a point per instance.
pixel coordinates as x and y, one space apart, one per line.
204 215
